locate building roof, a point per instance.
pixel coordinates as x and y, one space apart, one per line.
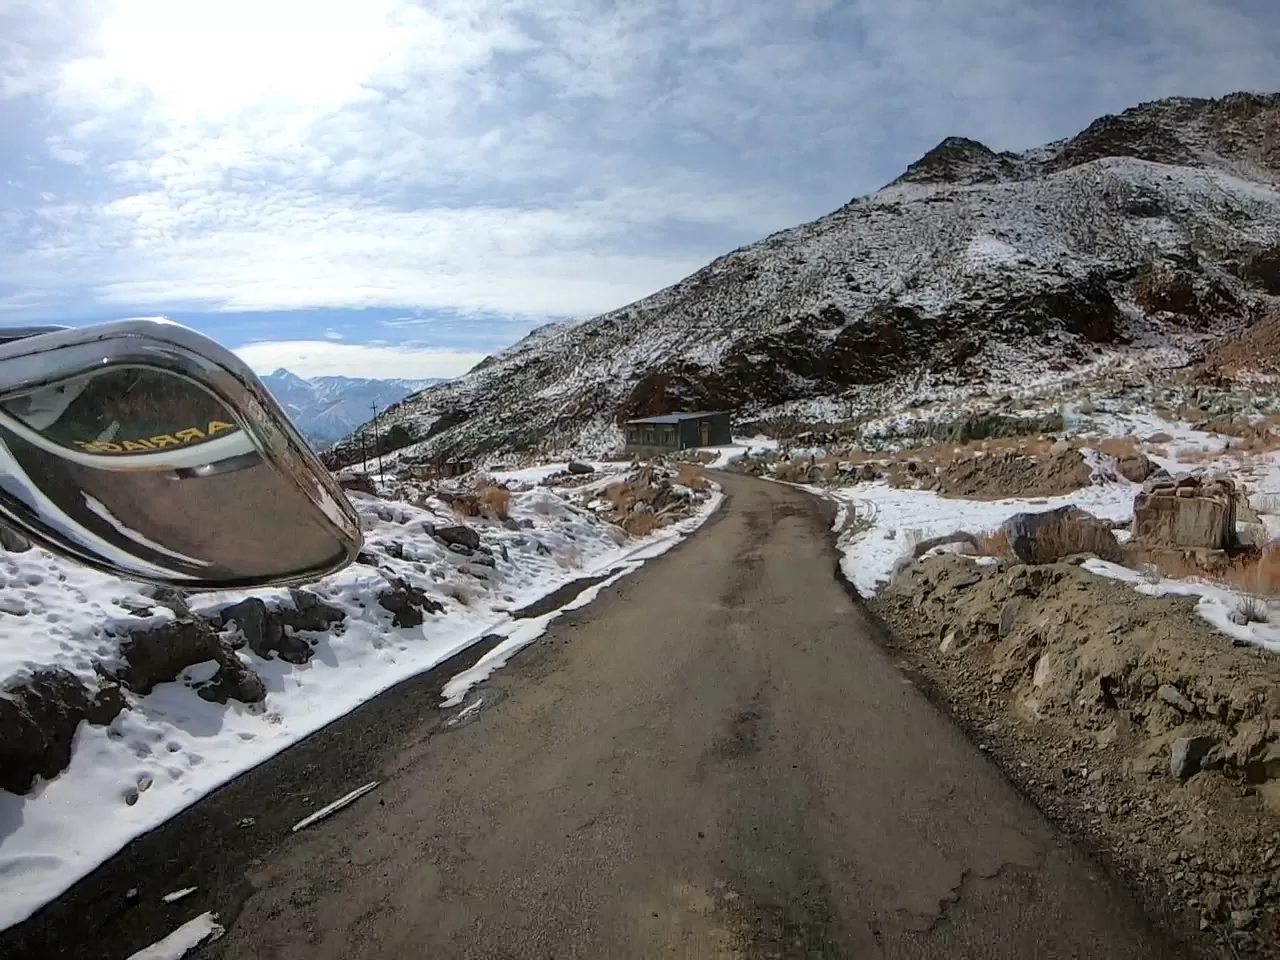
677 417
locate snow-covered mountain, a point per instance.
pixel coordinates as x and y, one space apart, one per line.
326 409
1150 233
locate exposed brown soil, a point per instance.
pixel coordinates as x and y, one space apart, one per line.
1127 717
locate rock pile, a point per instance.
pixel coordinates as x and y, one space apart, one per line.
1188 511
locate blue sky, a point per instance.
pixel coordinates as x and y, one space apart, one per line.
379 187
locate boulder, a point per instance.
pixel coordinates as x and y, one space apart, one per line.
1138 467
1186 512
264 627
581 469
13 541
159 655
1187 754
39 717
1051 535
460 534
407 603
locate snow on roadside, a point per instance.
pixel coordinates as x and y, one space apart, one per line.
1217 604
741 447
900 518
170 747
194 933
904 517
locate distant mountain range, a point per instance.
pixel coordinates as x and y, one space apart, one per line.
326 409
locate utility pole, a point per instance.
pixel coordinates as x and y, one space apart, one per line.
377 443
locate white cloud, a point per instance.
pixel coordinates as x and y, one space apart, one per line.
522 157
317 358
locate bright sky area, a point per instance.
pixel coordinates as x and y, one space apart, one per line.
387 188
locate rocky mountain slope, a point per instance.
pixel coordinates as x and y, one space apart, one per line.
326 409
1148 236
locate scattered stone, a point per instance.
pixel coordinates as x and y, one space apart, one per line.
460 549
264 628
1187 754
1243 919
461 534
1172 696
407 603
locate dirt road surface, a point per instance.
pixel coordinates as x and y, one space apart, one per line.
716 759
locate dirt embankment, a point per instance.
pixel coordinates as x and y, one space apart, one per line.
1127 717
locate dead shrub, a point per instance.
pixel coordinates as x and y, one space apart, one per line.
495 501
620 495
640 524
467 506
1118 446
789 472
691 478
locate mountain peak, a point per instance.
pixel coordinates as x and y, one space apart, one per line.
280 373
1148 232
960 160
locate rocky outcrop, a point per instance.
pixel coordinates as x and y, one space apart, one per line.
271 631
1186 512
974 268
161 654
407 603
39 717
1053 535
1138 468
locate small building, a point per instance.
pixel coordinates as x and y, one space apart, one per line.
678 431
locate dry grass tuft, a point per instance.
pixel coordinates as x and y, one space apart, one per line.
640 524
495 501
620 495
689 476
1258 574
1118 446
569 557
468 507
1253 610
458 593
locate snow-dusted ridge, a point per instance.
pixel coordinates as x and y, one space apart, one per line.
1154 229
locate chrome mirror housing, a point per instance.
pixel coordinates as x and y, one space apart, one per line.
145 449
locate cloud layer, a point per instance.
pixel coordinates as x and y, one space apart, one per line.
512 157
319 358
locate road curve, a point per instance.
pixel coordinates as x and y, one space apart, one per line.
716 759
